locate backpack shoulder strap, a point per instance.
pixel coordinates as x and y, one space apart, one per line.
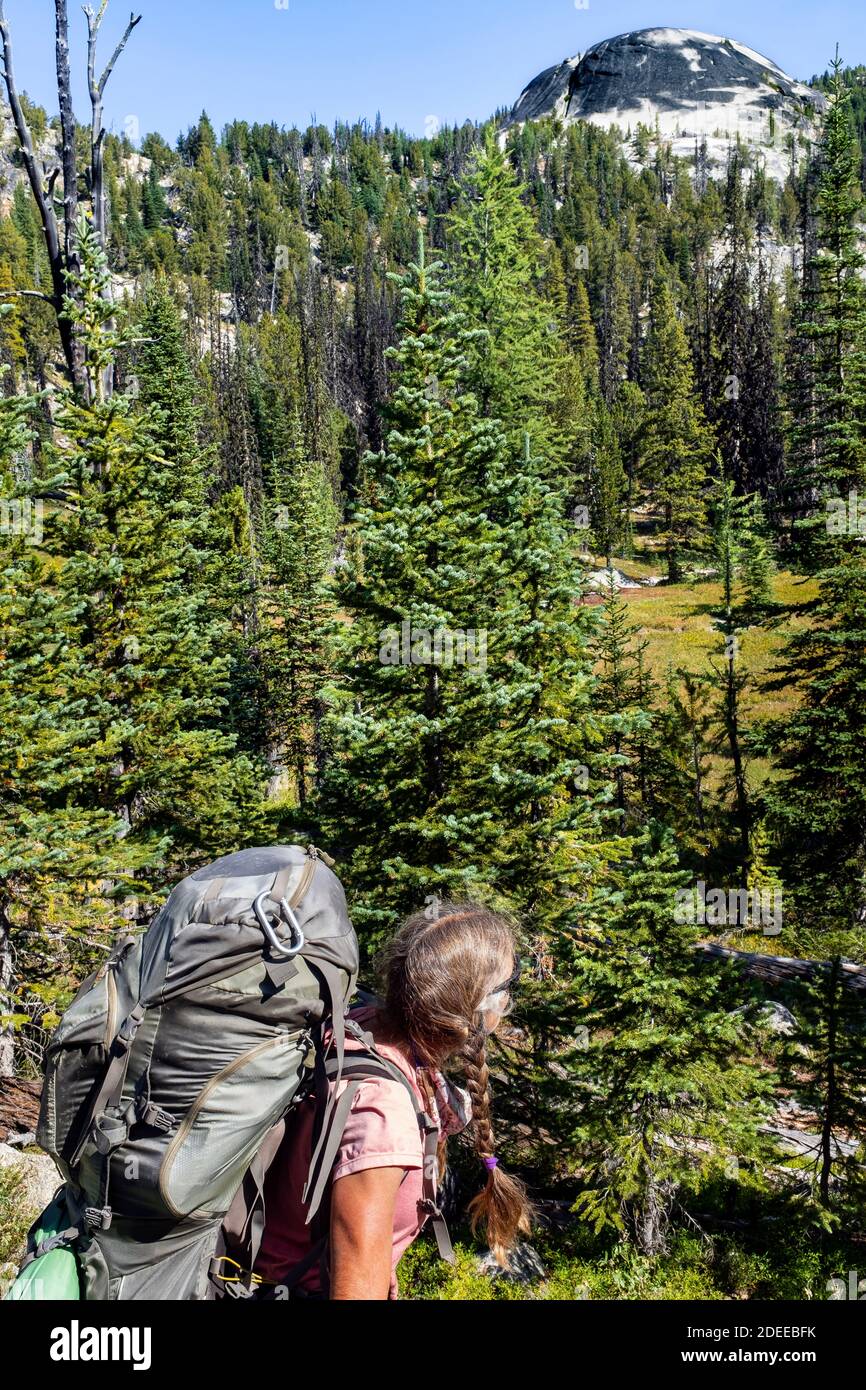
361 1067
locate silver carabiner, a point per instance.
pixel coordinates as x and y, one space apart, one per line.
281 947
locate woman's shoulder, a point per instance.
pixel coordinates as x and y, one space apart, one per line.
451 1104
368 1017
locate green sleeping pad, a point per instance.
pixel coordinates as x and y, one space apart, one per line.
54 1275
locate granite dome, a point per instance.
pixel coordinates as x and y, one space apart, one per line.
686 84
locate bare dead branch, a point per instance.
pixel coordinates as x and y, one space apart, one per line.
62 247
29 294
109 67
32 163
43 196
94 21
97 90
67 127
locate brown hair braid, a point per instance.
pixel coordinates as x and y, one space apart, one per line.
435 973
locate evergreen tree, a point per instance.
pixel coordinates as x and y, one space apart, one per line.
148 672
733 328
665 1093
828 432
825 1066
607 485
56 844
471 765
820 805
615 337
732 680
619 691
154 208
297 614
756 559
762 447
13 353
403 725
627 415
679 755
167 390
582 337
498 258
676 441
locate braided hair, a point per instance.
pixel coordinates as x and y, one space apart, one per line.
435 974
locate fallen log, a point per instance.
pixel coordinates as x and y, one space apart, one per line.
19 1106
780 970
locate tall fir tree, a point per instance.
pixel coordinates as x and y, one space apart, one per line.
732 680
762 436
148 678
820 804
676 443
607 485
421 560
828 405
498 260
732 328
57 843
824 1063
621 686
666 1092
297 614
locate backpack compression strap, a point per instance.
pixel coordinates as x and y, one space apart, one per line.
244 1223
362 1068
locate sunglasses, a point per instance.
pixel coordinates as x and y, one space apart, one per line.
512 982
491 1002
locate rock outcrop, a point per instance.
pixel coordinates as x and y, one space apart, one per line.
39 1180
688 86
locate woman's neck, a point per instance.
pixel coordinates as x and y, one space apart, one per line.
389 1033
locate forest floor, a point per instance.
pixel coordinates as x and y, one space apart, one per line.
731 1251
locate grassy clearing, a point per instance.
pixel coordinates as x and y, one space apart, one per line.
581 1266
677 622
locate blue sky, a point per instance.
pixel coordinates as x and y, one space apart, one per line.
284 60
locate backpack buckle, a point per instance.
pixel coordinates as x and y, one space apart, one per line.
241 1285
127 1031
155 1117
237 1290
427 1204
97 1219
109 1132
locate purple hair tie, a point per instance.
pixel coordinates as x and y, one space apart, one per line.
491 1163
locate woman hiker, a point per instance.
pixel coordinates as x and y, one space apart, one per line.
448 983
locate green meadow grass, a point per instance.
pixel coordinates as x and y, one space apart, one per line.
677 622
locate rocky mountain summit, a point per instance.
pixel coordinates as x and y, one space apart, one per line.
687 87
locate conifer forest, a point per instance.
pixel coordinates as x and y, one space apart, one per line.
487 507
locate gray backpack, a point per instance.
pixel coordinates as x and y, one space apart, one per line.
171 1080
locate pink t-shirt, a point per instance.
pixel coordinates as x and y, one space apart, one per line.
382 1131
